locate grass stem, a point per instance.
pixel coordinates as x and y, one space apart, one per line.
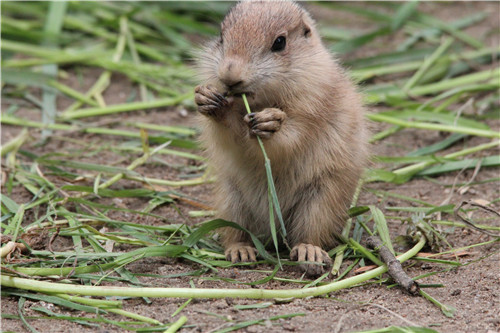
50 287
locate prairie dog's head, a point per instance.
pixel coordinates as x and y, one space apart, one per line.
264 49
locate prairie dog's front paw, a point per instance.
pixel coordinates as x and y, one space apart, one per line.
209 101
265 123
318 259
240 252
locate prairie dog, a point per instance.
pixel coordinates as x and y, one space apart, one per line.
308 114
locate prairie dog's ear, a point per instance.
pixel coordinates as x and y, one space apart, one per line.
307 24
306 30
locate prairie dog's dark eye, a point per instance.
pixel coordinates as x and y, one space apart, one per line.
279 44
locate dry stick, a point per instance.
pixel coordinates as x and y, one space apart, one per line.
393 266
469 222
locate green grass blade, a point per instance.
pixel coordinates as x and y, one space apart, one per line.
92 112
404 13
427 64
381 227
53 26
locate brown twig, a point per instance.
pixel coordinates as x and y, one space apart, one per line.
469 222
52 239
70 274
15 273
394 267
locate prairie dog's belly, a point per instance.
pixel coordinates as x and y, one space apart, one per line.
253 189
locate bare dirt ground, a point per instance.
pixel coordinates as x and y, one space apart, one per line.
473 289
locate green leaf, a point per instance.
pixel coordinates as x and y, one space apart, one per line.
261 305
54 300
447 310
401 329
438 146
10 204
358 210
381 227
355 43
105 192
25 77
87 166
490 161
403 14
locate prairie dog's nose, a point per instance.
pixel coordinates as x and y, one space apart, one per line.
231 73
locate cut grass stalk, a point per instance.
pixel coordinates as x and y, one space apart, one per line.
141 160
103 81
164 152
177 325
384 69
412 169
180 308
427 64
463 225
433 126
117 108
429 20
10 120
104 304
53 26
190 144
447 310
173 183
472 163
15 223
169 129
487 76
135 56
44 52
135 316
49 287
14 144
364 252
81 98
20 311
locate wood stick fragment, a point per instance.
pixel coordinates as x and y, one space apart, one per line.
394 267
469 222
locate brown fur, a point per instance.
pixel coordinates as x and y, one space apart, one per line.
314 133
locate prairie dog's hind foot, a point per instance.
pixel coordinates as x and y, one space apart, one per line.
320 260
265 123
240 252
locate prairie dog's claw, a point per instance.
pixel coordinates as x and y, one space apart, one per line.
210 102
314 254
240 252
265 123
